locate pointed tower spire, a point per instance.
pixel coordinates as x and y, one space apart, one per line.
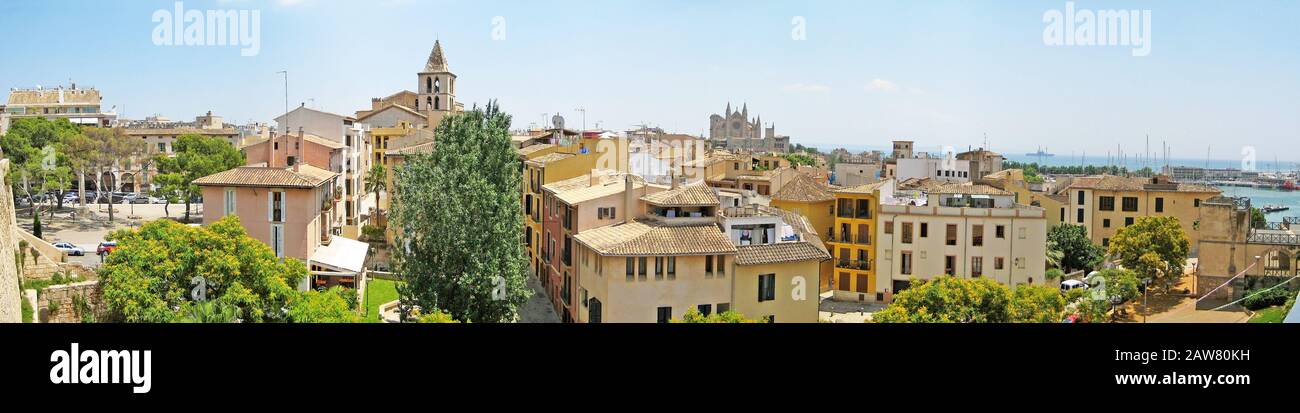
437 62
728 109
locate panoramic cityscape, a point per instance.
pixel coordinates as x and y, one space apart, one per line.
488 181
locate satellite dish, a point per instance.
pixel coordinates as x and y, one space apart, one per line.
557 121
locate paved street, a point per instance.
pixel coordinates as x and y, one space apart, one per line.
538 307
91 226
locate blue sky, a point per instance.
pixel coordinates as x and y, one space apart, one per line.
1219 75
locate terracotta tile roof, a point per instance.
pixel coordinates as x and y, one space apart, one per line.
581 189
779 253
548 158
426 147
307 176
863 189
393 106
920 184
563 185
1119 183
689 195
804 188
969 189
638 238
528 150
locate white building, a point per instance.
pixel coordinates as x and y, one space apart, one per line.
356 160
939 169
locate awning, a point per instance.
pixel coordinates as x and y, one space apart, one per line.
342 254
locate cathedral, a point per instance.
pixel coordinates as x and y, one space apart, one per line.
735 131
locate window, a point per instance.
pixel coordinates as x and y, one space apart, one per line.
907 232
1080 202
275 207
640 268
724 307
630 266
977 236
889 227
1196 203
1160 205
1080 215
1106 203
1130 204
230 201
952 235
1128 221
999 263
905 263
705 309
1000 231
708 266
672 268
277 239
659 268
665 314
605 213
1105 242
925 230
1105 223
976 266
721 267
950 264
766 287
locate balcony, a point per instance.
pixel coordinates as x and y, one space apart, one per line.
860 265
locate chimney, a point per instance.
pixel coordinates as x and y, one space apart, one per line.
629 199
297 150
672 175
270 151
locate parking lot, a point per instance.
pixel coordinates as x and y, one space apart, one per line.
87 228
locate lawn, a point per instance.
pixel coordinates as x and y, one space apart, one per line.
1269 315
378 292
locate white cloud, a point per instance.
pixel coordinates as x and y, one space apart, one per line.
807 88
882 85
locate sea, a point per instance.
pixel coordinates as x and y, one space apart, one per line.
1260 197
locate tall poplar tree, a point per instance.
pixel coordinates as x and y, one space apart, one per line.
459 221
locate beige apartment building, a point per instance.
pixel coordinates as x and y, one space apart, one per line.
81 106
962 230
663 251
1105 203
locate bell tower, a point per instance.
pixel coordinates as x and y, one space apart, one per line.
437 87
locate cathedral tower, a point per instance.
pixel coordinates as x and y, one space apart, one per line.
437 88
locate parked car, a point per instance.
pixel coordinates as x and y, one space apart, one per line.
1068 285
155 200
106 247
69 249
141 199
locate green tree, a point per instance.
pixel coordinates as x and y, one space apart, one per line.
209 312
377 181
1257 218
1154 247
155 270
335 305
112 149
1036 304
1121 284
693 316
1071 244
458 209
948 299
196 156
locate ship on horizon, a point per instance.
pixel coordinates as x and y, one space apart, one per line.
1041 152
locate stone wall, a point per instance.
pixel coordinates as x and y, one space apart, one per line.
75 303
10 306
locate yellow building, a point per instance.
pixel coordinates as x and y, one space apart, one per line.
1105 203
814 200
779 256
851 240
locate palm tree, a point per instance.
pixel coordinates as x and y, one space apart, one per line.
377 181
1054 255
